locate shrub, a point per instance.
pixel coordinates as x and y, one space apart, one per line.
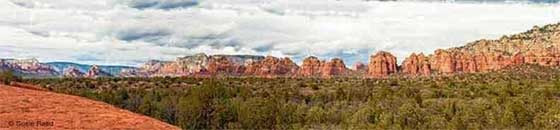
8 76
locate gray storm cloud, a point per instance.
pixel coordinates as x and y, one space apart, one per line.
131 31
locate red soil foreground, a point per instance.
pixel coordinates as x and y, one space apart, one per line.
25 109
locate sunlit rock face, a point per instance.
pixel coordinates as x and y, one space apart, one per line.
416 65
382 65
72 72
271 67
313 67
539 45
28 67
334 68
199 65
95 72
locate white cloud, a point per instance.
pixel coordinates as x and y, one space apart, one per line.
130 31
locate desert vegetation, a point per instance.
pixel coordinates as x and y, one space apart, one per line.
8 76
526 97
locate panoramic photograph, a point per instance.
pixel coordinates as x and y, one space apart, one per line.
279 64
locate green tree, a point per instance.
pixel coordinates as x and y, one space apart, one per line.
8 76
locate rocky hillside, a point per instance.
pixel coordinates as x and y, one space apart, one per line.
539 46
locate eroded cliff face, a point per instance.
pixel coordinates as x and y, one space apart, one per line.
313 67
310 67
271 67
417 65
539 45
197 65
334 68
221 65
381 65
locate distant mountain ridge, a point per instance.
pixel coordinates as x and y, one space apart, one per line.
32 68
111 69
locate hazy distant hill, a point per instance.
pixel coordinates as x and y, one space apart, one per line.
113 70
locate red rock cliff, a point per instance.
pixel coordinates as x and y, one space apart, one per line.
382 65
271 67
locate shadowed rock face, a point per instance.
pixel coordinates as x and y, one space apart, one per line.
225 66
382 65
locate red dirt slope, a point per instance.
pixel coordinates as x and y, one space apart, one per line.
22 108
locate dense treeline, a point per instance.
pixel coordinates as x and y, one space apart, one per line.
499 100
8 76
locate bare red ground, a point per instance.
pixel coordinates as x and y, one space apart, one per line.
25 109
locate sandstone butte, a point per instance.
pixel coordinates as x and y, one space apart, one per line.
272 67
49 110
313 67
539 45
382 65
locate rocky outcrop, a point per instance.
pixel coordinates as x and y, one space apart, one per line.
416 65
382 65
271 67
72 72
95 72
198 65
313 67
220 65
334 68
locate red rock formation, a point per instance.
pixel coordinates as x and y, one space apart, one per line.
311 67
382 65
271 67
335 67
222 66
416 65
443 61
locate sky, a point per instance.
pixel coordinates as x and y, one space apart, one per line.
130 32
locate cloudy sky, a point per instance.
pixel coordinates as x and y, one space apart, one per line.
129 32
